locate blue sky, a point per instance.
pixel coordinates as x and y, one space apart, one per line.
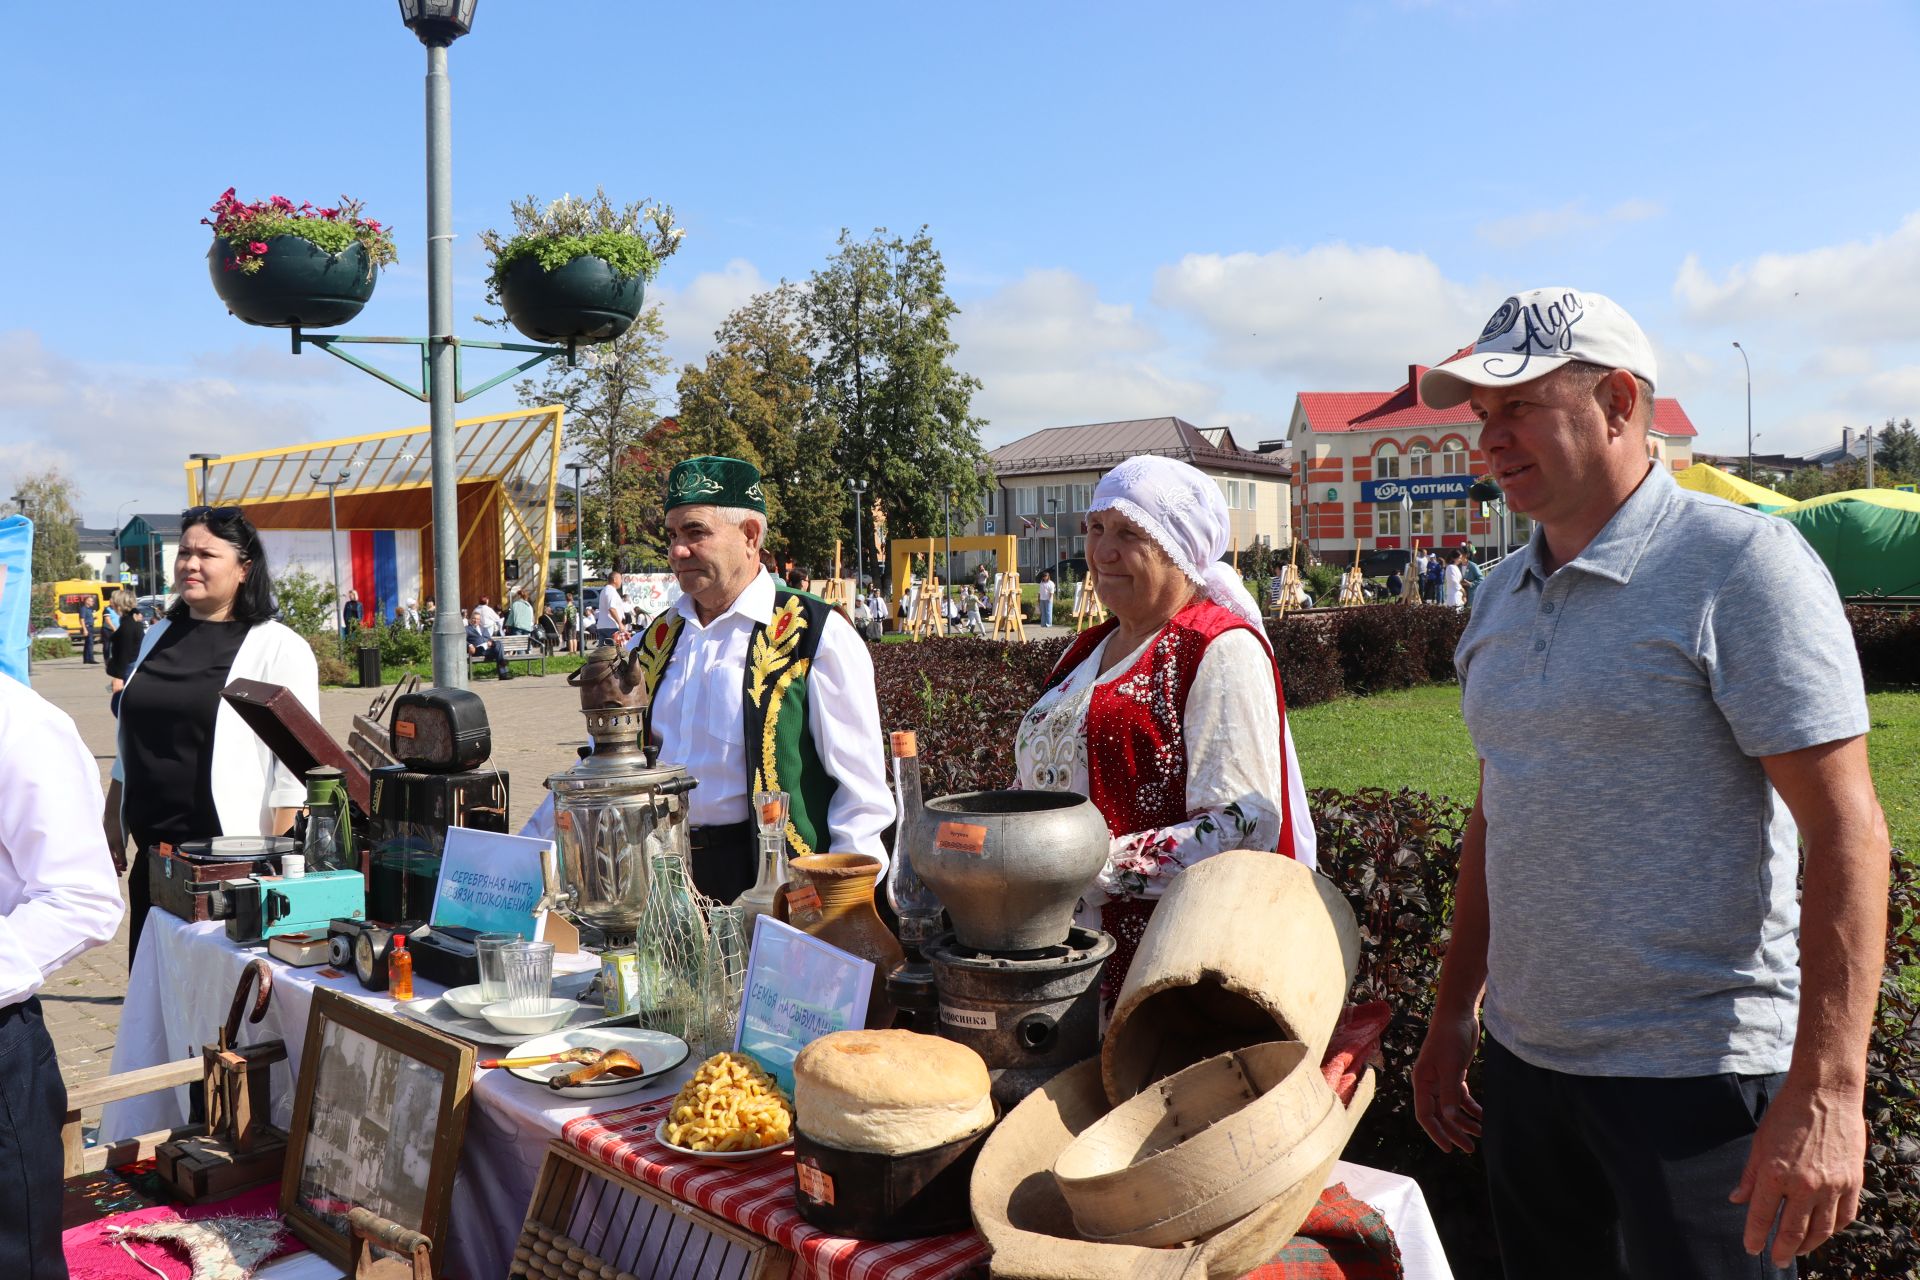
1144 209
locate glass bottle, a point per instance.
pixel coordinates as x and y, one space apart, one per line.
914 902
400 969
673 950
770 809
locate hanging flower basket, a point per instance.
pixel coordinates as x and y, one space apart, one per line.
298 284
282 265
585 300
577 269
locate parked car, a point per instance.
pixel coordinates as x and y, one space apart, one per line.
51 632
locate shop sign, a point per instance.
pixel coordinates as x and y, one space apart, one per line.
1418 488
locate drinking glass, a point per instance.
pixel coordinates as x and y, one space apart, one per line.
493 974
529 976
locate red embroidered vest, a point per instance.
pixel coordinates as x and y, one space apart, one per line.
1136 744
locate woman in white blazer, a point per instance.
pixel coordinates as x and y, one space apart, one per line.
188 767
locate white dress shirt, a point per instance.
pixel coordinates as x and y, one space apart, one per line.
58 892
698 720
488 619
612 612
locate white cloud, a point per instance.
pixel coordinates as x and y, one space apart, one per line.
693 312
1049 352
1570 218
1862 288
1336 315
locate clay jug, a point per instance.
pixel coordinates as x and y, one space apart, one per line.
850 922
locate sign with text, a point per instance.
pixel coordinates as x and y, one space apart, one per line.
492 882
798 989
1419 488
649 593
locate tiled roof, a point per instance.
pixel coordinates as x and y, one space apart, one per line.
1402 408
1104 444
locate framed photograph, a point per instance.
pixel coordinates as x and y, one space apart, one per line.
379 1113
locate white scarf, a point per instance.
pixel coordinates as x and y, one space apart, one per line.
1182 510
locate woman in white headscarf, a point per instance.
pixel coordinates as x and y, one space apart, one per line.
1169 715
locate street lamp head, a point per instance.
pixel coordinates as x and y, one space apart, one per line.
438 22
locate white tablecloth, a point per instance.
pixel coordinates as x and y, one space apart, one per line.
182 986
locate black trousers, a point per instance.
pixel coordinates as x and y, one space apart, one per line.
33 1102
1620 1177
139 898
726 865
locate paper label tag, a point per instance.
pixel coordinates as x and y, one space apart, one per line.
814 1185
973 1019
961 837
404 729
803 898
770 814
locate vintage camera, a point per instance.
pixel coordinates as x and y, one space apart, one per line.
362 948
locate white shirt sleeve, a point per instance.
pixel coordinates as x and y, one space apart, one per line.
294 666
844 714
57 885
1234 773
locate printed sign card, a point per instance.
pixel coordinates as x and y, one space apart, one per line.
493 883
798 989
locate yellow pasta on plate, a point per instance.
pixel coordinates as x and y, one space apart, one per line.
730 1105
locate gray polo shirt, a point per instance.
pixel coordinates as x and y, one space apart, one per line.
1640 869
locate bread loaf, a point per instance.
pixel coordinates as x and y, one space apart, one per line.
889 1092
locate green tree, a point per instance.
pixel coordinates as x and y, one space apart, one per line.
613 421
754 399
51 501
884 369
1896 454
306 602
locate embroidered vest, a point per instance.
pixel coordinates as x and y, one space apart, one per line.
775 707
1136 744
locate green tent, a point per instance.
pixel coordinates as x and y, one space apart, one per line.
1870 539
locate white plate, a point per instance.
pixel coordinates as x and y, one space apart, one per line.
439 1015
656 1051
717 1157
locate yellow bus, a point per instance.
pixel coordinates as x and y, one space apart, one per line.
69 595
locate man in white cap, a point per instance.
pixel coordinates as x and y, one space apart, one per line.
1674 1040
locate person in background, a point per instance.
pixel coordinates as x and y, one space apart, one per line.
485 615
481 644
57 899
1430 577
86 630
981 578
610 618
520 614
189 768
1395 587
125 645
1672 1003
1453 583
350 612
796 580
1169 715
972 607
1470 575
1044 594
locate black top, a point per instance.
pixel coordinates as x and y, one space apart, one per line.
166 732
124 646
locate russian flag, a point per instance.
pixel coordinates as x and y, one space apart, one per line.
376 573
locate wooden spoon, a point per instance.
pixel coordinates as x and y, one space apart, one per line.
615 1064
542 1059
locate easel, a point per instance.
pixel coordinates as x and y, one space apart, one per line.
929 611
1087 609
1352 584
1006 608
838 592
1410 582
1292 594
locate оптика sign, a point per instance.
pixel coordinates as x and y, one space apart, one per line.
1420 489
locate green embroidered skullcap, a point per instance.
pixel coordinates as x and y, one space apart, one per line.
715 482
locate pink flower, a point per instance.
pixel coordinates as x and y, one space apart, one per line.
257 246
329 213
281 203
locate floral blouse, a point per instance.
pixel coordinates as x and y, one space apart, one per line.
1234 771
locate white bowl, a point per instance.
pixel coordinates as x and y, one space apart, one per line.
530 1024
465 1001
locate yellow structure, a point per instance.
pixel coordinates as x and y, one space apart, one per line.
900 553
507 466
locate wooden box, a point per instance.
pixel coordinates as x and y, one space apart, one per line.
188 887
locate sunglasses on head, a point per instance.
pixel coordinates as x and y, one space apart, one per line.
212 515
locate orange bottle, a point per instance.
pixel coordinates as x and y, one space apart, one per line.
400 969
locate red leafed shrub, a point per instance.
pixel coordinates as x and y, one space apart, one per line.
964 697
1888 643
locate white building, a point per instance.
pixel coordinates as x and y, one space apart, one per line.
1044 484
1343 439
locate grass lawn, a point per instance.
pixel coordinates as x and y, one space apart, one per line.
1416 738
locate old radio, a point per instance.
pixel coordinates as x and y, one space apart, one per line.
407 829
441 731
186 880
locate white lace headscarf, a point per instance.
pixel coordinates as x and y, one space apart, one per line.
1182 510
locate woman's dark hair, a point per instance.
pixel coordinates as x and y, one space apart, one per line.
253 603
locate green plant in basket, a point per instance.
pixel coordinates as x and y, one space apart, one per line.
248 230
633 240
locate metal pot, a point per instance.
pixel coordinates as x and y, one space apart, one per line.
1011 865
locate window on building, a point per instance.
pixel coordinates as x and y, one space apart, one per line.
1453 459
1522 528
1453 515
1419 461
1053 498
1386 463
1386 520
1253 488
1023 500
1082 497
993 500
1076 547
1423 519
1230 490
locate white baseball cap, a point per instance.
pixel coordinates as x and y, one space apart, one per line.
1536 332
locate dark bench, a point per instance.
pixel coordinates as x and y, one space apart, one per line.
527 649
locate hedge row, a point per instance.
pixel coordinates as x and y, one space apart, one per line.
1394 855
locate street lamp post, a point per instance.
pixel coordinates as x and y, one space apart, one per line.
333 545
205 460
1749 364
946 523
859 490
1053 519
579 555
